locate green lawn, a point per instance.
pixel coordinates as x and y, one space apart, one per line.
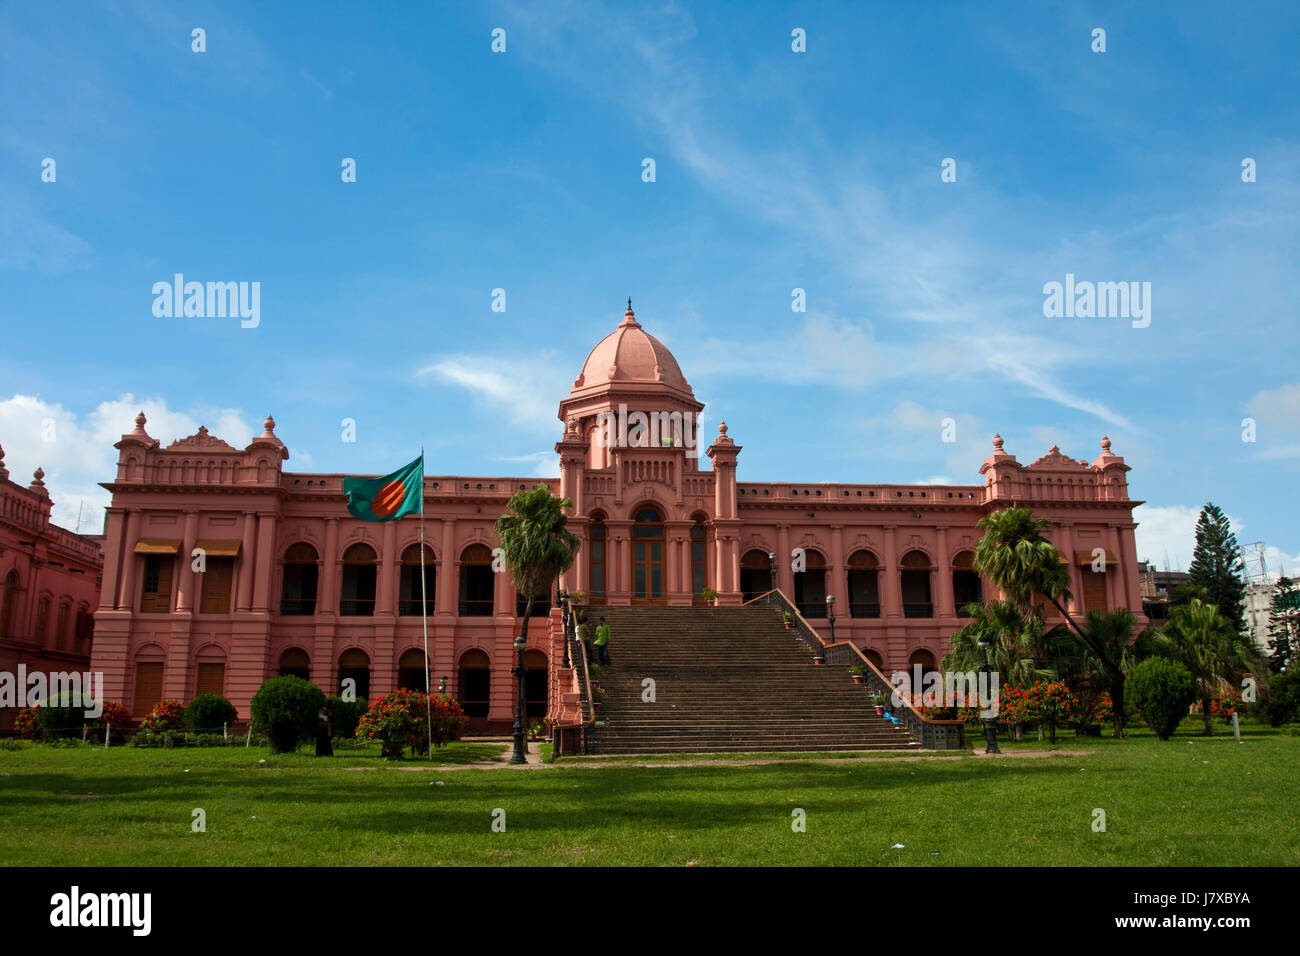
1190 801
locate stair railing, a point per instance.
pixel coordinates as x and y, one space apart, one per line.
933 734
585 729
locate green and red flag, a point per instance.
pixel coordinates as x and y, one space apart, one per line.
389 497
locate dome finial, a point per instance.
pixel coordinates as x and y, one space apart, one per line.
629 303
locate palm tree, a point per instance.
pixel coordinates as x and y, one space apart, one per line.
537 548
1015 643
1199 637
1112 631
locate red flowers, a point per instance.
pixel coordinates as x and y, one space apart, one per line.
401 720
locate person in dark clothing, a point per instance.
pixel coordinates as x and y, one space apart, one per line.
324 746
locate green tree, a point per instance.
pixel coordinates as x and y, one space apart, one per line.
1160 690
1217 566
537 548
1088 673
1015 643
1203 640
1283 625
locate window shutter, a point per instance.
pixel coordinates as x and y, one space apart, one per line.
211 679
159 600
1094 590
148 687
216 586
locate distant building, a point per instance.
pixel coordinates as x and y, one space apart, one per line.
1258 605
49 585
1157 587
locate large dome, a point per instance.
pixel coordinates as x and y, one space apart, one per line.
630 355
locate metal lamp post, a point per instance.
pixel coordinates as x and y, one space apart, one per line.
830 614
771 560
565 618
990 723
518 755
442 685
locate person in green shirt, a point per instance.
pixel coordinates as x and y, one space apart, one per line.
602 641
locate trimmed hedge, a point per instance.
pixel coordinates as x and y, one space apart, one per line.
344 715
1161 691
209 712
284 709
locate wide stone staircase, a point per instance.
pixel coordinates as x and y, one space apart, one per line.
727 679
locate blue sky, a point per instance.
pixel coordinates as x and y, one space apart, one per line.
522 170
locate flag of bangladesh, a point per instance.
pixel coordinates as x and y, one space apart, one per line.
389 497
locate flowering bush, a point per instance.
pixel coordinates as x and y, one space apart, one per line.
114 715
27 721
1049 704
400 721
166 715
1105 708
1225 703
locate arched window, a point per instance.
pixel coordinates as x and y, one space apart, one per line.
41 634
541 603
476 581
915 579
598 580
699 560
875 658
294 662
535 684
925 661
358 595
298 594
210 673
8 601
755 575
965 582
410 671
148 679
354 665
810 586
475 685
864 585
409 599
647 556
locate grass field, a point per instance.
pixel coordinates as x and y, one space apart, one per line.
1190 801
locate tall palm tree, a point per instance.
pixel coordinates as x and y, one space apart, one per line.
1112 631
1015 643
537 548
1199 637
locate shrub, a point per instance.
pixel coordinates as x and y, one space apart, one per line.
114 715
63 716
209 712
1050 704
400 721
285 708
344 715
28 722
166 715
1225 702
1283 702
1161 691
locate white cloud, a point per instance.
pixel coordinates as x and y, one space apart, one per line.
1277 421
511 387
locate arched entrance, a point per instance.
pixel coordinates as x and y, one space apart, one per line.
294 662
410 669
648 557
755 575
474 690
355 665
535 684
810 586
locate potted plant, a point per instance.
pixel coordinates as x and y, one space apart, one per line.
597 699
788 618
819 657
856 671
879 703
710 596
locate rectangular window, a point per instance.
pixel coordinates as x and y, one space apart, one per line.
216 586
148 687
156 589
1094 589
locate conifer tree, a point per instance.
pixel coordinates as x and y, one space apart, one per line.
1283 625
1217 566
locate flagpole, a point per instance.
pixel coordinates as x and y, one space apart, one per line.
424 615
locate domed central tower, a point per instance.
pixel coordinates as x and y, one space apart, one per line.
629 373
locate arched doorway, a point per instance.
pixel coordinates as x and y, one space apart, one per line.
148 679
358 595
476 582
294 662
598 564
647 557
210 671
535 684
925 661
474 687
875 658
810 586
965 582
864 585
699 560
410 671
755 574
915 579
413 596
298 591
355 665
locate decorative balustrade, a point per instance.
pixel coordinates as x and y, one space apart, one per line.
932 734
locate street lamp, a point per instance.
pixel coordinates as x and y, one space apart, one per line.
565 618
771 560
990 722
518 755
830 613
442 685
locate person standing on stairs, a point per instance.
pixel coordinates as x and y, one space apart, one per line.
602 642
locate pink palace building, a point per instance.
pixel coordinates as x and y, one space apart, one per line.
294 585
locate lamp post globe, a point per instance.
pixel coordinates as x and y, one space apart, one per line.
830 614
